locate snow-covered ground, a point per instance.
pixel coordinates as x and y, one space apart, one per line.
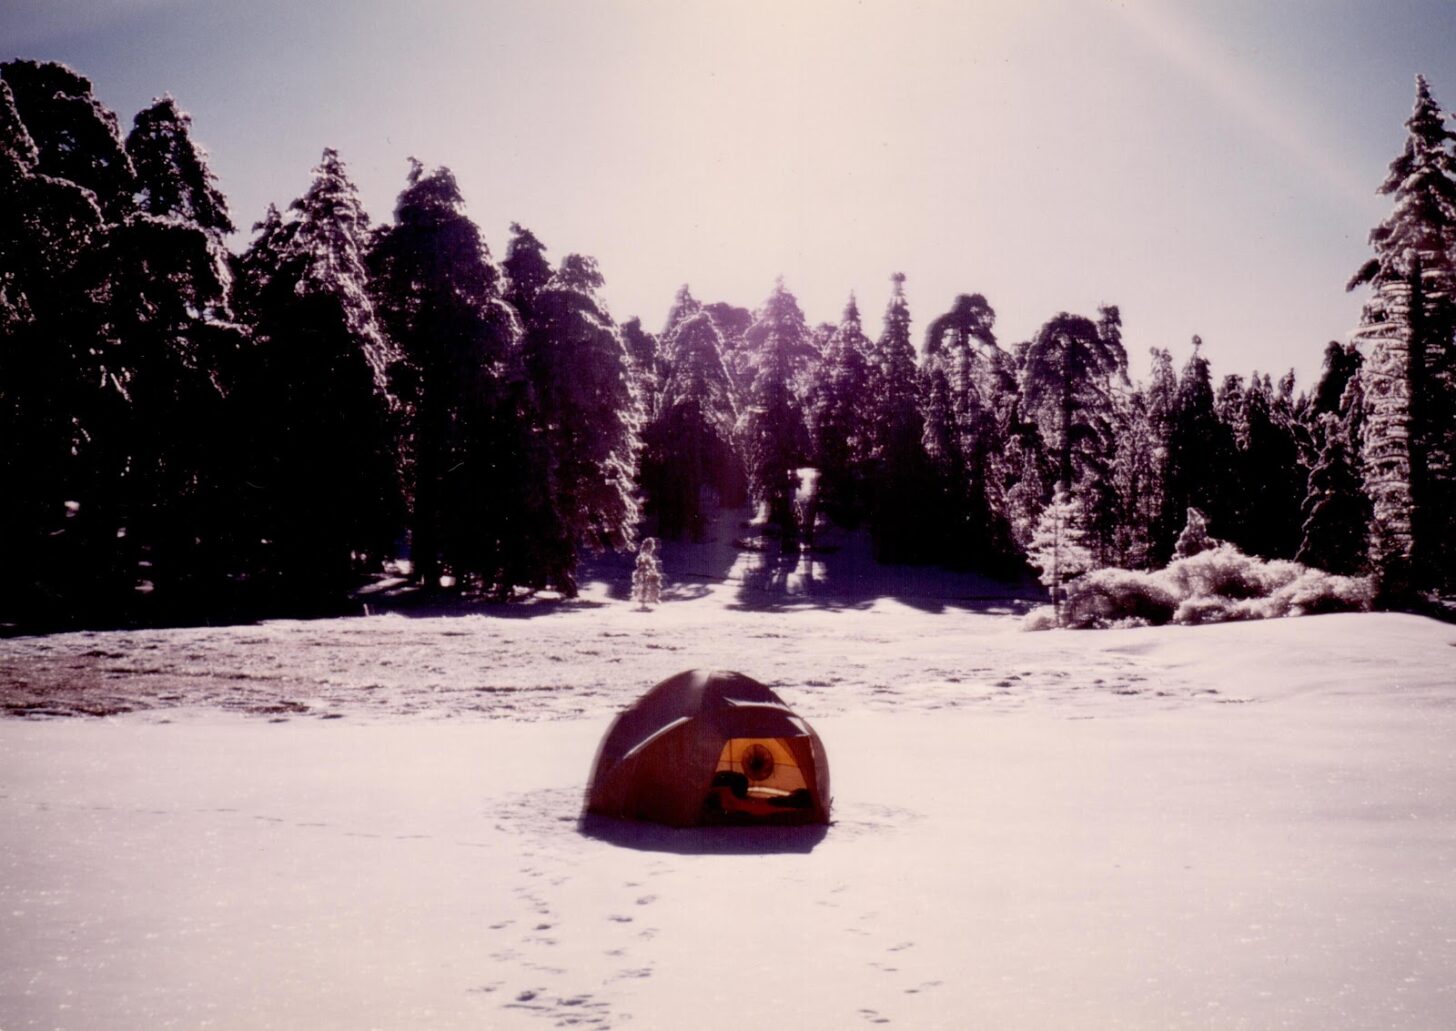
372 822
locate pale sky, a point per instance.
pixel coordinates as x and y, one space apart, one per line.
1209 167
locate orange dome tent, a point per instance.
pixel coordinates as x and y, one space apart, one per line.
708 747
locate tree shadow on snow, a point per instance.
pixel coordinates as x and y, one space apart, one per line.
690 568
703 841
427 604
845 579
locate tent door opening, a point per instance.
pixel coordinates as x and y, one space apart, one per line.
757 779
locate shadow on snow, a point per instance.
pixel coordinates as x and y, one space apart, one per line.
703 841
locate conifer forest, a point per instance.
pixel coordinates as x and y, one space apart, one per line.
198 424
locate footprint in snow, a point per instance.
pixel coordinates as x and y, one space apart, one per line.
634 974
924 986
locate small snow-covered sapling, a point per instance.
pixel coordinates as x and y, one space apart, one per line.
647 577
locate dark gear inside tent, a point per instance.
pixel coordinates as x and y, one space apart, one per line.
709 747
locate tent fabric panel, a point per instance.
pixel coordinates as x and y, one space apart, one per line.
664 781
757 722
722 688
673 698
647 741
809 754
672 777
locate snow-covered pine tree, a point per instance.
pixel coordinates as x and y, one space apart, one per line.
1198 466
1067 389
689 461
1160 395
48 376
1416 247
771 423
839 420
76 137
47 225
472 479
1228 405
1385 444
252 268
642 356
1058 546
894 379
322 449
973 384
900 474
1292 455
18 153
979 374
1137 478
590 418
1194 537
1287 404
1271 473
942 517
1032 474
1336 510
647 576
1235 503
819 338
1341 364
66 175
170 350
684 306
733 323
172 177
1352 417
526 270
17 167
332 236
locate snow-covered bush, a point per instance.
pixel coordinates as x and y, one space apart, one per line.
1108 596
1225 571
1043 617
1213 586
1205 608
1315 591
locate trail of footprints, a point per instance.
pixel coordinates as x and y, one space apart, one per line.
895 961
533 936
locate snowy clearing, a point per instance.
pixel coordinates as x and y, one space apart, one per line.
373 823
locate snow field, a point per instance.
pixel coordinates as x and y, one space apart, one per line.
1051 853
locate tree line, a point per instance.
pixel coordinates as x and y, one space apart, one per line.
191 432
